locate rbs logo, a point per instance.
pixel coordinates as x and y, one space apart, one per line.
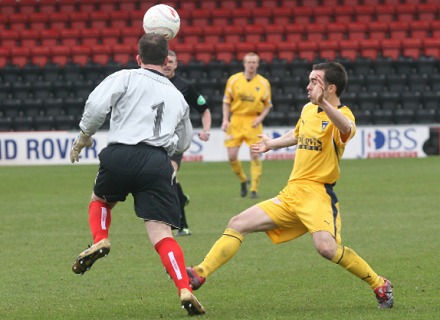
390 143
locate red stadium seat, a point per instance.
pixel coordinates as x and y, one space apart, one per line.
281 16
364 13
336 31
123 53
60 55
99 19
4 56
228 4
67 6
274 33
242 48
8 6
427 11
328 49
369 48
349 49
184 51
307 50
262 15
378 30
101 54
20 56
79 20
344 14
224 51
232 33
4 21
398 30
18 21
302 15
108 5
38 20
253 33
315 31
131 35
29 38
435 29
212 34
87 6
211 5
191 34
110 36
323 14
287 51
48 6
419 29
391 48
119 19
267 51
357 31
412 48
58 20
200 17
406 12
40 55
204 52
220 17
385 12
431 47
9 38
49 37
294 32
81 54
70 37
241 16
90 37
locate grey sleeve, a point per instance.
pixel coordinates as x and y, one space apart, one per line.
184 133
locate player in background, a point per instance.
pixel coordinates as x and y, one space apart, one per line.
246 102
307 203
196 102
149 121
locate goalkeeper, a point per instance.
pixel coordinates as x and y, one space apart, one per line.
149 122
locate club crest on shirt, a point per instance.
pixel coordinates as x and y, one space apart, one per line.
324 125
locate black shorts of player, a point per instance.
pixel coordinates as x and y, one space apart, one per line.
145 172
177 158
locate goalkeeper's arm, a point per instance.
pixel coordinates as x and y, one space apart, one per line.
82 141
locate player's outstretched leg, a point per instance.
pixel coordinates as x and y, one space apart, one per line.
89 256
384 295
190 303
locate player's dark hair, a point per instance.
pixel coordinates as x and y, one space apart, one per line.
153 49
334 73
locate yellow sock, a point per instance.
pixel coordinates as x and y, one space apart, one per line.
221 252
238 170
256 170
351 262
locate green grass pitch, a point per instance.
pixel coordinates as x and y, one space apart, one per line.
390 216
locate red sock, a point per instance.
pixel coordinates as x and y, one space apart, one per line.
173 260
99 220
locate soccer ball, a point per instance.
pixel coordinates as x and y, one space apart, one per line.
162 19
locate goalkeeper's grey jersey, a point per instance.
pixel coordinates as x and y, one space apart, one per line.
145 107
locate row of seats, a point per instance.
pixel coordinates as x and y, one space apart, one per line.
235 33
224 17
228 51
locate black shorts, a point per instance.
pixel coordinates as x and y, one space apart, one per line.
177 158
145 172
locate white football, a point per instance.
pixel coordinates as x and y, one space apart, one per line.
162 19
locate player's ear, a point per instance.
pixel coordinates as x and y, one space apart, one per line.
138 60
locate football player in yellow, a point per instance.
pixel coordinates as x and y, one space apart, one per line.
307 204
246 103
